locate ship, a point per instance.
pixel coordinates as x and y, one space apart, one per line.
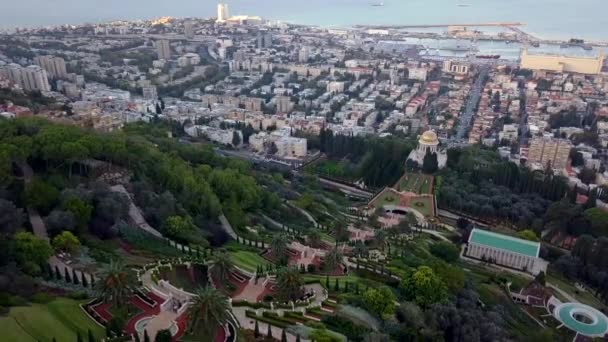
574 42
488 56
377 4
459 48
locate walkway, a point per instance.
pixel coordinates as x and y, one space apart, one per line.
39 228
163 320
249 323
305 213
135 213
253 290
227 227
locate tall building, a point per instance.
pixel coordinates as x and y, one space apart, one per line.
303 54
290 147
163 47
453 67
54 66
29 78
549 152
264 40
149 93
284 104
189 29
222 13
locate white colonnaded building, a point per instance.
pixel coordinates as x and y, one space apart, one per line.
506 251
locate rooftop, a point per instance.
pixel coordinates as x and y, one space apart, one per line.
505 242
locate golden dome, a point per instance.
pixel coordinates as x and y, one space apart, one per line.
429 137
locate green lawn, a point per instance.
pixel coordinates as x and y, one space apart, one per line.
582 296
327 238
423 205
61 319
11 331
416 183
246 260
351 279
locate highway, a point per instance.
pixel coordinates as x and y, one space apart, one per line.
467 115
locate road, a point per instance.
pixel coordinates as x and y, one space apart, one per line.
523 120
467 115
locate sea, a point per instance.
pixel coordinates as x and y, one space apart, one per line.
549 19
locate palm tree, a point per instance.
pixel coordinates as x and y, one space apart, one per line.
278 246
116 283
332 260
289 283
209 309
220 269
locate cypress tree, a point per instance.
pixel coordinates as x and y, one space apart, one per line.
336 285
269 333
91 338
57 273
327 282
85 282
283 336
75 277
256 331
67 277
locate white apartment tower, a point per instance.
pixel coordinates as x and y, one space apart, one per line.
303 54
54 66
163 48
189 29
222 12
29 78
284 104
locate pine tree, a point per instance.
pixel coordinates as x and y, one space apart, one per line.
256 331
